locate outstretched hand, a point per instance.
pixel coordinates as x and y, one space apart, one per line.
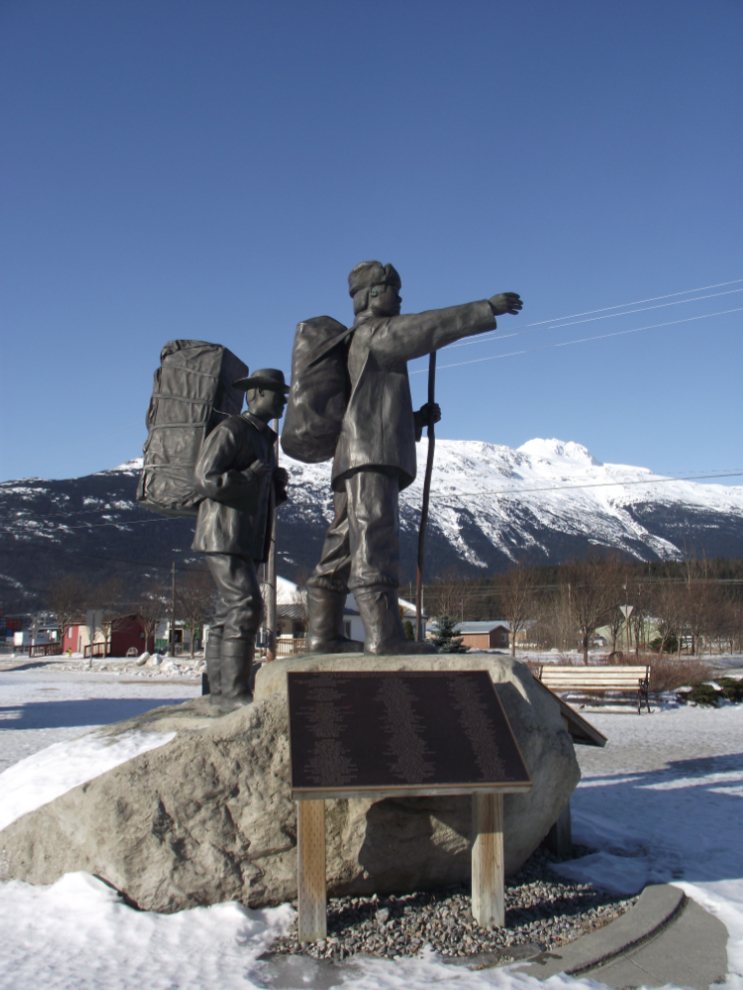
506 302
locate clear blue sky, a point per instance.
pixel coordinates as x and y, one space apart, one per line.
214 169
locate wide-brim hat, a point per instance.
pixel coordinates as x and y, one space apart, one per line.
265 378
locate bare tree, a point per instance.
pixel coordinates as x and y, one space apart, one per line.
590 597
667 607
554 625
195 601
450 595
703 605
152 607
615 574
68 599
518 600
107 598
639 595
733 624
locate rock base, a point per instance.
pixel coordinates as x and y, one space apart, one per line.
208 817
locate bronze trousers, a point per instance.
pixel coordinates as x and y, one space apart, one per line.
362 544
240 609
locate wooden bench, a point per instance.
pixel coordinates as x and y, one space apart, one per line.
595 680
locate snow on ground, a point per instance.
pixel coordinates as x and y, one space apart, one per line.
41 705
660 803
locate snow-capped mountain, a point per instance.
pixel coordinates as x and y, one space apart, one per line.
546 501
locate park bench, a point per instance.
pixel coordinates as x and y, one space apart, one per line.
598 680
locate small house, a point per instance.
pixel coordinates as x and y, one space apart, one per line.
493 635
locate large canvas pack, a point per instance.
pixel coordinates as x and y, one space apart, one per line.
320 389
192 393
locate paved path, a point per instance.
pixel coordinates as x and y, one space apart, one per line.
666 938
668 781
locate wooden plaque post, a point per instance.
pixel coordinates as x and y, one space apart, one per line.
312 922
488 874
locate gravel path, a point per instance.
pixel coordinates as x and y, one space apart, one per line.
543 911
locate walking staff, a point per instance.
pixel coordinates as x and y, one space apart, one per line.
426 493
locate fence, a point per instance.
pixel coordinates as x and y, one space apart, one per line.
45 650
96 650
287 647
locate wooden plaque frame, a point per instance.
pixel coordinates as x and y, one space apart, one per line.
345 711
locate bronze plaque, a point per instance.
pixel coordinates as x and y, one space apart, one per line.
402 730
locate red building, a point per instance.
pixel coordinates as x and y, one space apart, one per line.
127 632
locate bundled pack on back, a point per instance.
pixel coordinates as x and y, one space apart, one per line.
319 391
193 391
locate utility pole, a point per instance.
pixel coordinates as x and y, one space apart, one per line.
271 566
171 651
626 611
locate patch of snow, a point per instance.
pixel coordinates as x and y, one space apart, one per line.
52 772
79 935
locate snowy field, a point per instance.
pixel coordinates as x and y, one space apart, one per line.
660 803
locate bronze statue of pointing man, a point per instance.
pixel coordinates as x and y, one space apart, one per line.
375 457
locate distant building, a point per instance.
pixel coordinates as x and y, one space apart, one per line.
127 633
493 635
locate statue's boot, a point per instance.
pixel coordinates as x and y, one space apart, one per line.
236 661
325 627
212 655
380 613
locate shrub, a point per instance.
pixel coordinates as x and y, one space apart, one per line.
732 690
708 694
705 694
667 673
672 644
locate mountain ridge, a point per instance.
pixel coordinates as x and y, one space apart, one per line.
491 505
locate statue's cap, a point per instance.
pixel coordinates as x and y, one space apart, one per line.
369 273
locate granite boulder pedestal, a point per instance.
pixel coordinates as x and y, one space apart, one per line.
208 816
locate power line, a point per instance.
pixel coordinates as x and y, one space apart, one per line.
123 524
538 327
513 493
605 309
138 563
582 340
594 484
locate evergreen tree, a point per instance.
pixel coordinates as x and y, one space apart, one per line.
445 640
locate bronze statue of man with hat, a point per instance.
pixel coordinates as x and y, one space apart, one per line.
240 482
375 457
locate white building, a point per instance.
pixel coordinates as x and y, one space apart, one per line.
291 608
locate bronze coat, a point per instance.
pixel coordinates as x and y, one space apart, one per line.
378 428
233 518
